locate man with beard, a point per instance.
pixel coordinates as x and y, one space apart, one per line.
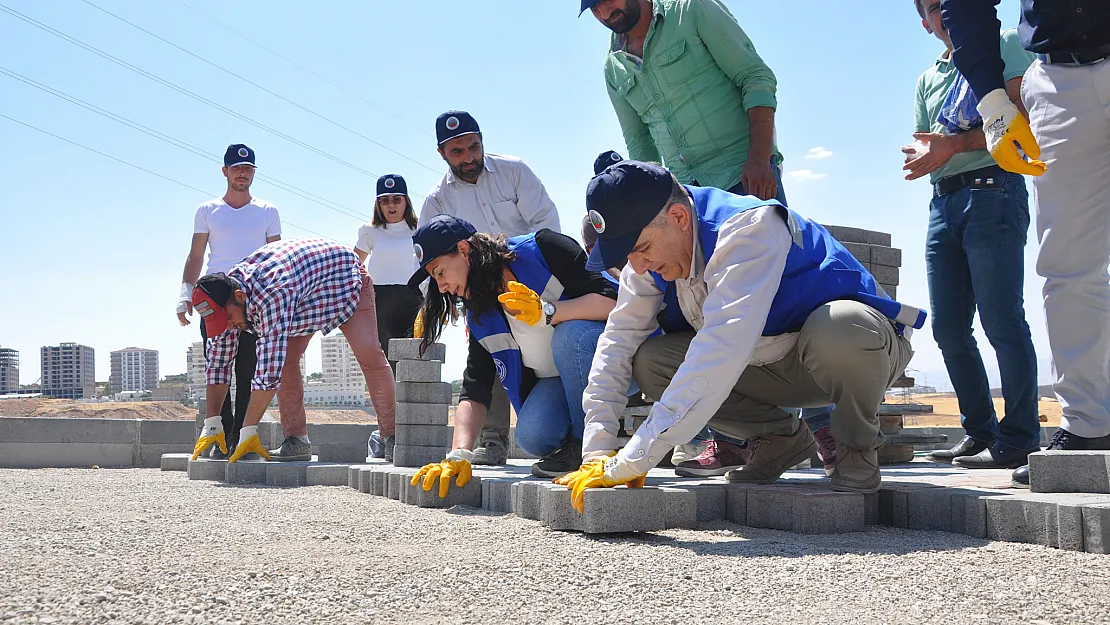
498 195
666 60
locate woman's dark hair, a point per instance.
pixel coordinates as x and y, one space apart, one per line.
489 258
378 221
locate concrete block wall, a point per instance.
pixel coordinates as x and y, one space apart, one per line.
423 402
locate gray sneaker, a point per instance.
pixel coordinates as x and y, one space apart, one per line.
492 451
292 449
387 448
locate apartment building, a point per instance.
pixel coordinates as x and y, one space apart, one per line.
9 370
68 371
134 369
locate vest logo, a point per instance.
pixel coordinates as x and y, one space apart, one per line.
452 123
597 222
389 183
502 370
419 251
243 153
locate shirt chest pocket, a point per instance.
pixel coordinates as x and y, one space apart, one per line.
634 94
679 63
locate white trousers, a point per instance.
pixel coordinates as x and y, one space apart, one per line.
1069 112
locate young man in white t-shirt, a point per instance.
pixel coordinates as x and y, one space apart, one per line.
231 227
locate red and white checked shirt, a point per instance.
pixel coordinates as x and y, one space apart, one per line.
294 288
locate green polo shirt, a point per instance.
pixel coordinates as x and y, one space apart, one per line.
685 103
933 87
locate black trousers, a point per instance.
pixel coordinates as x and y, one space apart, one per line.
396 309
245 361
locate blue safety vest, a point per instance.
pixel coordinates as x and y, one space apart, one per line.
818 268
491 329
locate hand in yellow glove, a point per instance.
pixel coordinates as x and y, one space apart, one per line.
248 444
597 473
523 303
212 433
457 464
1003 126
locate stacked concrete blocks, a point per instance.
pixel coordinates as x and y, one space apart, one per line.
873 250
423 402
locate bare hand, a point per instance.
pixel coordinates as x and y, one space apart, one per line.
758 179
181 316
938 150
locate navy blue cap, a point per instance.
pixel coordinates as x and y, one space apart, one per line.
588 4
392 184
606 159
436 237
621 201
238 154
454 124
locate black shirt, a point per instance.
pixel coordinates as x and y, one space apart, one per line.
567 262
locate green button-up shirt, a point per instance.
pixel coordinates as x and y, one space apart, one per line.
685 103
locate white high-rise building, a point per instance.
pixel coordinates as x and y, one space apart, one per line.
9 370
340 367
134 369
194 369
68 371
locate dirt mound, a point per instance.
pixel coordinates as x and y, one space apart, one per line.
70 409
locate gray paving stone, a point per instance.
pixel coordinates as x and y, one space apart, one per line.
526 499
271 435
423 392
422 414
497 494
417 456
339 434
885 275
366 480
736 503
1050 519
891 290
929 509
555 510
680 508
861 251
326 475
342 453
287 474
153 432
710 501
424 435
845 234
469 495
872 237
207 469
353 474
1069 472
409 349
150 456
887 256
175 462
246 472
396 481
419 371
1096 528
805 510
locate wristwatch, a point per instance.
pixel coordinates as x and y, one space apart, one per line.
548 311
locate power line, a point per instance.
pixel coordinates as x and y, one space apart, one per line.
335 206
181 90
142 169
420 129
258 86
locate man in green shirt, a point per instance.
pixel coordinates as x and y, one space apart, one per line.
975 255
690 91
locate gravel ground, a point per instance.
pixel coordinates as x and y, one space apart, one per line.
141 546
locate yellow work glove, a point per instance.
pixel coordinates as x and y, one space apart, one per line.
418 326
212 432
457 464
523 300
1003 126
248 444
594 474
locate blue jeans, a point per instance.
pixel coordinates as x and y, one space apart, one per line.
817 418
553 409
975 258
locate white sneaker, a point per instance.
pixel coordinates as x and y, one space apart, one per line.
687 452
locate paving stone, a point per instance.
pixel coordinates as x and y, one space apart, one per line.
805 509
526 499
345 454
424 435
556 512
1096 528
469 495
207 469
423 392
736 503
339 434
1069 472
417 456
396 480
861 251
872 237
1050 519
887 256
712 504
286 474
271 435
845 234
871 509
175 462
353 474
680 508
419 370
894 506
497 494
969 511
325 475
891 290
247 472
422 414
409 349
366 480
884 274
929 509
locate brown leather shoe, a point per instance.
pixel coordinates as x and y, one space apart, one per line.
774 454
856 471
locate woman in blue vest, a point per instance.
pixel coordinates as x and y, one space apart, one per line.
534 314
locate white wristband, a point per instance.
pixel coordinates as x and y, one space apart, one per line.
461 454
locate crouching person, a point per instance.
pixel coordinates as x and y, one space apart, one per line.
534 314
782 315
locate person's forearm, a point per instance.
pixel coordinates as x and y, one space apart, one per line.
192 269
973 26
591 307
470 417
761 133
971 141
260 401
214 395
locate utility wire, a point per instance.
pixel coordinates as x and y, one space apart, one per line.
256 85
335 206
142 169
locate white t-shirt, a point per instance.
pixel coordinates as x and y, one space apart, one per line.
235 233
535 346
392 258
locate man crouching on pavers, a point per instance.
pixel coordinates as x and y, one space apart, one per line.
783 315
284 293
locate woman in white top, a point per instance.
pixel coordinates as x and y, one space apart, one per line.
387 240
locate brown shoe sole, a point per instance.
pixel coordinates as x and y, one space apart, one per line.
804 454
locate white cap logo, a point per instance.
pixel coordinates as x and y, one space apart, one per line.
615 157
389 183
419 251
597 221
243 153
452 123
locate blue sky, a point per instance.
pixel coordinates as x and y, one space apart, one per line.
93 249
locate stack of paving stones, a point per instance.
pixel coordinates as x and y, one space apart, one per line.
423 402
874 251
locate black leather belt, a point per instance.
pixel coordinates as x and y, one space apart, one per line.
1081 58
985 178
